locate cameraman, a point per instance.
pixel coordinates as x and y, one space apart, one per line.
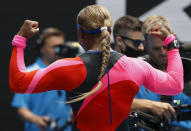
39 110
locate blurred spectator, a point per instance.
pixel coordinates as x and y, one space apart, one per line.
128 37
43 111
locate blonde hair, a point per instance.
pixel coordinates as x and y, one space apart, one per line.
154 20
90 18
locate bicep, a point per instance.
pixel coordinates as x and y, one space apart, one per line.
62 78
61 75
164 83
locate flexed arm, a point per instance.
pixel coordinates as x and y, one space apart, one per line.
170 83
64 74
164 83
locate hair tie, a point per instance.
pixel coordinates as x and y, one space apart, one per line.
96 31
103 28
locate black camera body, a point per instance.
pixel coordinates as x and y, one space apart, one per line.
150 122
67 49
53 125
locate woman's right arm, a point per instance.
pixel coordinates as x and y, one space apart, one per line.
159 82
164 83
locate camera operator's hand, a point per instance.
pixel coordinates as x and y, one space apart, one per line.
160 31
41 122
162 109
28 29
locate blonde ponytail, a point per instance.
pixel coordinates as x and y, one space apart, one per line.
105 50
94 17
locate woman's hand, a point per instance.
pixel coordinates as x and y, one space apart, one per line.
28 29
160 31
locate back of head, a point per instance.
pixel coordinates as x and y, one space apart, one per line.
90 18
154 20
94 17
126 24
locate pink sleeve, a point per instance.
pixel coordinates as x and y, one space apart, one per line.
60 75
165 83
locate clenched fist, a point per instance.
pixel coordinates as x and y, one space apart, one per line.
28 29
160 31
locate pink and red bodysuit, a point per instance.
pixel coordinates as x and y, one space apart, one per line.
78 75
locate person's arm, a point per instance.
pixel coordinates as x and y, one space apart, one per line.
164 83
22 104
158 108
64 74
140 104
40 121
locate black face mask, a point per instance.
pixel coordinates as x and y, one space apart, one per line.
132 53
